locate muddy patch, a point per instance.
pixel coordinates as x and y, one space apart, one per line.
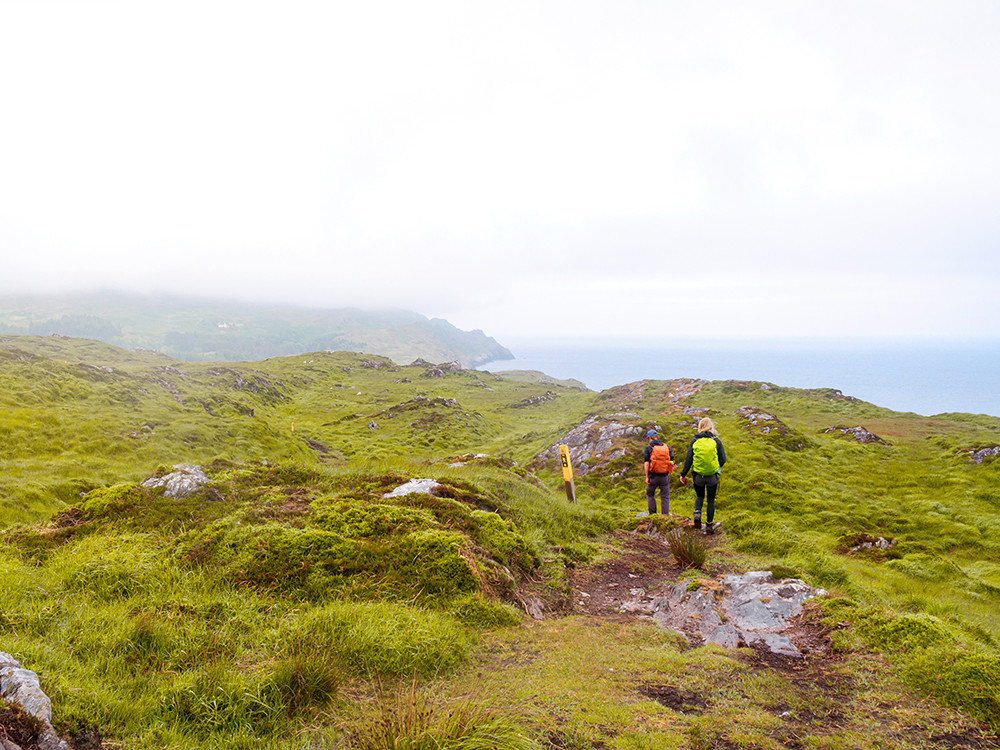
643 569
683 701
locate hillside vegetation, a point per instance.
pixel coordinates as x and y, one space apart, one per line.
295 602
201 330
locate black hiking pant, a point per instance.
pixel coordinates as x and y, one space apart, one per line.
705 486
663 482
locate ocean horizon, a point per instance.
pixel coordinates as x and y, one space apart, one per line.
925 377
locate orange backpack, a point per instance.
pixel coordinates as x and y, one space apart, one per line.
660 460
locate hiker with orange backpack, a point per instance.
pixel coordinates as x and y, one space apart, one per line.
658 463
706 456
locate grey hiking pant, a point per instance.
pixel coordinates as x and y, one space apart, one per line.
663 482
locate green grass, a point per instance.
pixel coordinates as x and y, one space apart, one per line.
265 610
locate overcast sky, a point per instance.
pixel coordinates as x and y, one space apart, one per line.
529 168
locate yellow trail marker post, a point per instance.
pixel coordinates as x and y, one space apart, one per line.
567 468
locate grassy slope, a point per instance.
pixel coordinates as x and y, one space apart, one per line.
232 621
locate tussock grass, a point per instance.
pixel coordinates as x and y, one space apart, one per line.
687 548
408 719
378 639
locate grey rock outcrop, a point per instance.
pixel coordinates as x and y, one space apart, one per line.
535 400
753 609
857 433
594 438
866 542
180 483
21 686
759 422
423 486
981 454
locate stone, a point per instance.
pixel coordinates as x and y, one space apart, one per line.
423 486
186 480
752 608
757 421
660 603
980 455
776 644
725 635
593 439
858 434
534 607
534 400
21 686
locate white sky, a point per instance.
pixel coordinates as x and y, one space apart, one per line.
529 168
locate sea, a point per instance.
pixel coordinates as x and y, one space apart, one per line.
924 377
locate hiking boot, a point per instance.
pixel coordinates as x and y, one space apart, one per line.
709 529
697 522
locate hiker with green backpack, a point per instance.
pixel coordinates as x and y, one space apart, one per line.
707 457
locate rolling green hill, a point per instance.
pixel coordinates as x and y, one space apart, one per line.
201 330
292 601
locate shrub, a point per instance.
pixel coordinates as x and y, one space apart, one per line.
687 548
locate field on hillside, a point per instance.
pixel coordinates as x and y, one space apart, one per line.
294 601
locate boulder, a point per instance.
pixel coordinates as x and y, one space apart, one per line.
186 480
857 433
599 438
979 455
759 422
753 609
21 686
423 486
534 400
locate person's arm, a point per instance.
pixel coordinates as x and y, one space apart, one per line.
721 451
688 460
645 466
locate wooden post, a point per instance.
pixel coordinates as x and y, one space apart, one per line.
567 468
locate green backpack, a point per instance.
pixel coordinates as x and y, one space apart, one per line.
706 457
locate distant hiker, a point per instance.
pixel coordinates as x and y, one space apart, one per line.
658 463
707 457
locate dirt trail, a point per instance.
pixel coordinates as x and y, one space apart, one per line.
644 562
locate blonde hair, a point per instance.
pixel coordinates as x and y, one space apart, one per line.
705 425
